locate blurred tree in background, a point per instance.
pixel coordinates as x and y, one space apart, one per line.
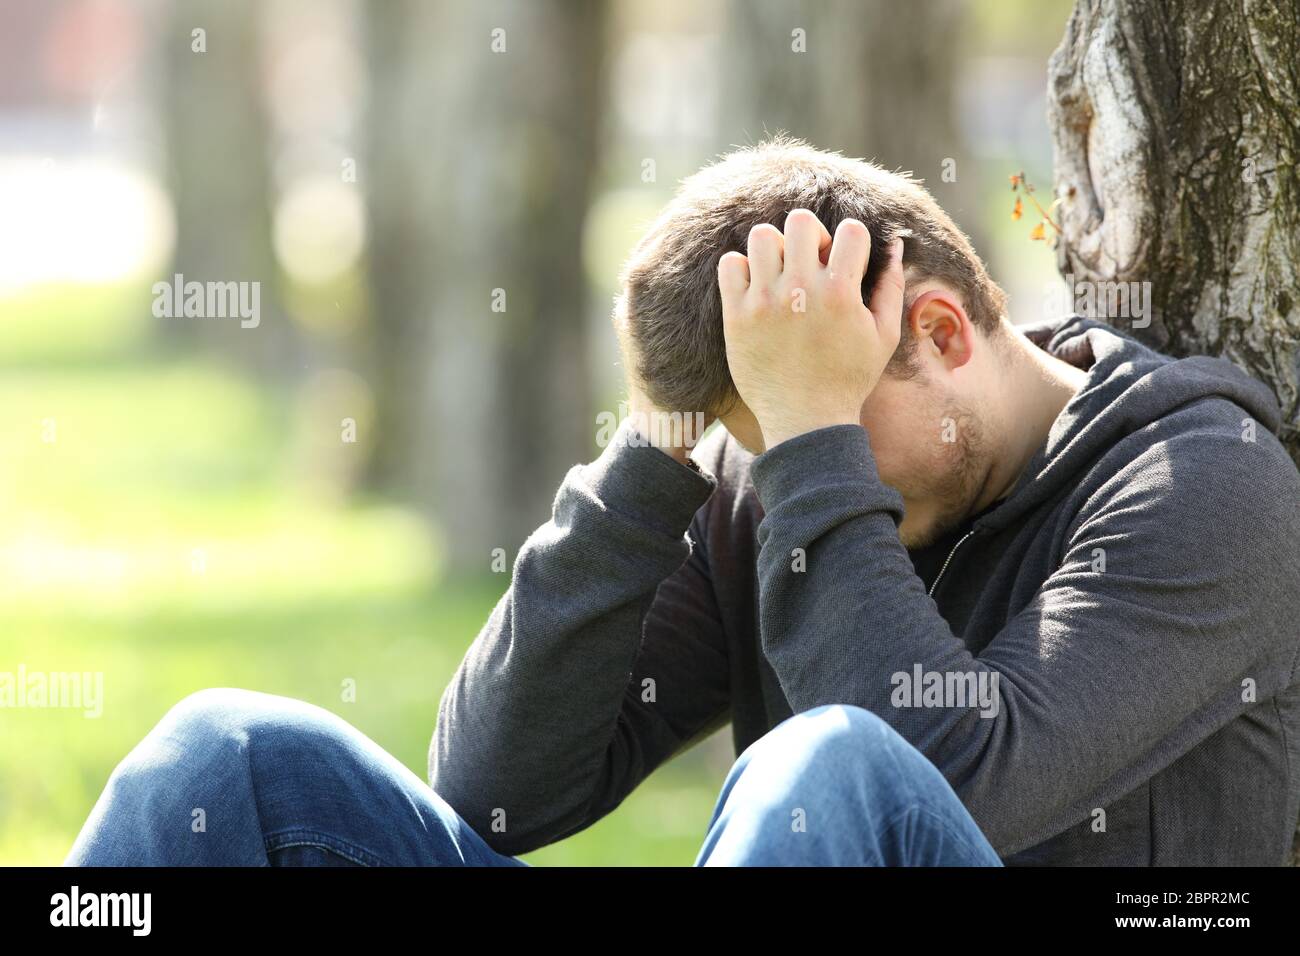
219 176
479 299
874 80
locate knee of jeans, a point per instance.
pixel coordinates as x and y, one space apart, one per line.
184 752
277 728
191 727
206 735
213 716
842 740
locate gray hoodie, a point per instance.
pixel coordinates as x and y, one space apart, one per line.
1131 611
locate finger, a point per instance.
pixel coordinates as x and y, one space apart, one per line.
766 253
805 238
887 299
850 252
733 280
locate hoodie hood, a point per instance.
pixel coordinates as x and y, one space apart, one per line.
1129 386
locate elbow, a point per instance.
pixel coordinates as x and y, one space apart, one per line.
510 820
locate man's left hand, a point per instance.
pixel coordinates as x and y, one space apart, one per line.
803 349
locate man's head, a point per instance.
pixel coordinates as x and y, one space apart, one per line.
932 431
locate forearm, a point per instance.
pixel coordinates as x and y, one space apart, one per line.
842 609
535 726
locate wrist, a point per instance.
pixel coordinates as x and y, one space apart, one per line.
783 429
642 484
671 434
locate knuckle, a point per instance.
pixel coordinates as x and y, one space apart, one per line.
837 292
854 228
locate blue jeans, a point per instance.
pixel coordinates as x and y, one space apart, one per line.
241 778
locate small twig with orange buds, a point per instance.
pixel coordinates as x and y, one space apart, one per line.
1020 185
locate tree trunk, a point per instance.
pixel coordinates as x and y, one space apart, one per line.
1176 129
872 79
219 176
875 80
481 157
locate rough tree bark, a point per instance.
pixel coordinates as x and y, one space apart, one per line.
1176 128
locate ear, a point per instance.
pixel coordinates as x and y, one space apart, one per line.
941 328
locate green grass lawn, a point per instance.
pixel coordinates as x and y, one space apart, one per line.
165 539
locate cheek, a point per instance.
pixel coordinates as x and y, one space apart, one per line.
900 447
890 449
904 422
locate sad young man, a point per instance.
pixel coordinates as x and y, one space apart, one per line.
966 594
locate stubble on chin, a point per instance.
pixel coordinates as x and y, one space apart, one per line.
954 482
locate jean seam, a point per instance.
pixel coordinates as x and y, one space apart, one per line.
325 841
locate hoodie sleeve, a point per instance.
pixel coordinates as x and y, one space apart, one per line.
604 657
1106 676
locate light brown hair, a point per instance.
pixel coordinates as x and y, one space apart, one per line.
670 283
